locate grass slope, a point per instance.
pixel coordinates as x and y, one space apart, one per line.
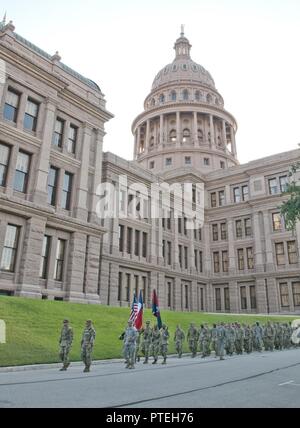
33 328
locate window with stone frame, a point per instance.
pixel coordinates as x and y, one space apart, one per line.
45 257
223 231
127 287
213 199
296 293
72 139
186 265
243 297
179 219
129 240
241 261
248 227
145 244
279 251
196 259
169 285
168 161
22 172
283 183
215 232
4 162
284 294
31 115
273 188
245 193
226 299
10 248
120 286
200 261
67 191
218 299
121 237
60 259
225 261
188 160
52 185
221 198
236 195
173 96
292 252
216 260
169 253
277 222
222 164
238 229
180 255
252 296
250 258
11 105
173 135
206 161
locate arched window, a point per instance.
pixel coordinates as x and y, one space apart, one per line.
186 135
173 96
162 98
142 147
209 137
197 95
200 135
152 141
153 102
219 141
208 98
185 95
173 136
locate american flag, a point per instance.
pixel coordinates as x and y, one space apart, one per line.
134 310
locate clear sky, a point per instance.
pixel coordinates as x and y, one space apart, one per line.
250 47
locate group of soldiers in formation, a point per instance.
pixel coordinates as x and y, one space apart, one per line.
87 344
220 338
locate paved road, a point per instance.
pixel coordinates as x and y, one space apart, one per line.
256 380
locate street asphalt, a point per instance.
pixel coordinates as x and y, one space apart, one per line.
260 380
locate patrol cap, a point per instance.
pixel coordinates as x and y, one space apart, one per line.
89 321
65 321
147 322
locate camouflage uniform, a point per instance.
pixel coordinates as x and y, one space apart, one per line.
248 339
204 341
230 339
278 336
65 343
221 337
155 343
257 337
130 345
147 340
214 339
287 333
138 343
239 339
164 336
269 335
179 337
87 344
192 337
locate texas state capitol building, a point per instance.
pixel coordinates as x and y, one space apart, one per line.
53 245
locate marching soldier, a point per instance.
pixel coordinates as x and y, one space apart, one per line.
87 344
146 342
192 338
130 345
155 343
65 343
164 336
179 337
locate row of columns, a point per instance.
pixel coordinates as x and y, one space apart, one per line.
144 148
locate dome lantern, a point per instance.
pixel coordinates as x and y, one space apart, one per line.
182 46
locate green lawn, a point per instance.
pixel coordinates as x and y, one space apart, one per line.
33 328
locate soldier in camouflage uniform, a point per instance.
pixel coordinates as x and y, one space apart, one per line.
65 343
138 344
179 337
278 336
221 338
204 341
214 339
155 343
269 336
192 338
130 345
248 339
230 339
147 341
257 337
287 334
239 339
164 336
87 344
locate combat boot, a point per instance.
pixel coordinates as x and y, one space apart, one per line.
146 361
155 361
87 369
164 361
63 369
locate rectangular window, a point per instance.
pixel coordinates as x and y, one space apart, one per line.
67 190
164 249
186 257
137 243
121 238
72 139
179 225
201 299
52 185
169 294
136 285
188 160
250 258
221 198
196 259
206 161
216 259
252 297
22 172
199 234
152 164
248 226
225 261
185 226
59 262
120 283
273 189
169 222
127 288
241 264
236 195
168 161
58 133
243 298
223 231
226 299
129 240
279 250
145 244
245 193
215 232
45 257
222 164
180 255
276 222
186 291
145 289
283 182
238 229
31 115
284 295
200 262
296 293
169 255
292 252
11 106
213 199
218 299
4 161
10 248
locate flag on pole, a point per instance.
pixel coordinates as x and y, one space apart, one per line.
139 315
134 308
155 309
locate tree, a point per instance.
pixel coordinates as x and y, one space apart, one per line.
290 210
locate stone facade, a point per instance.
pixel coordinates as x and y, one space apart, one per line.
52 243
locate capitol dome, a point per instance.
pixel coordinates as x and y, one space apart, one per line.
183 68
